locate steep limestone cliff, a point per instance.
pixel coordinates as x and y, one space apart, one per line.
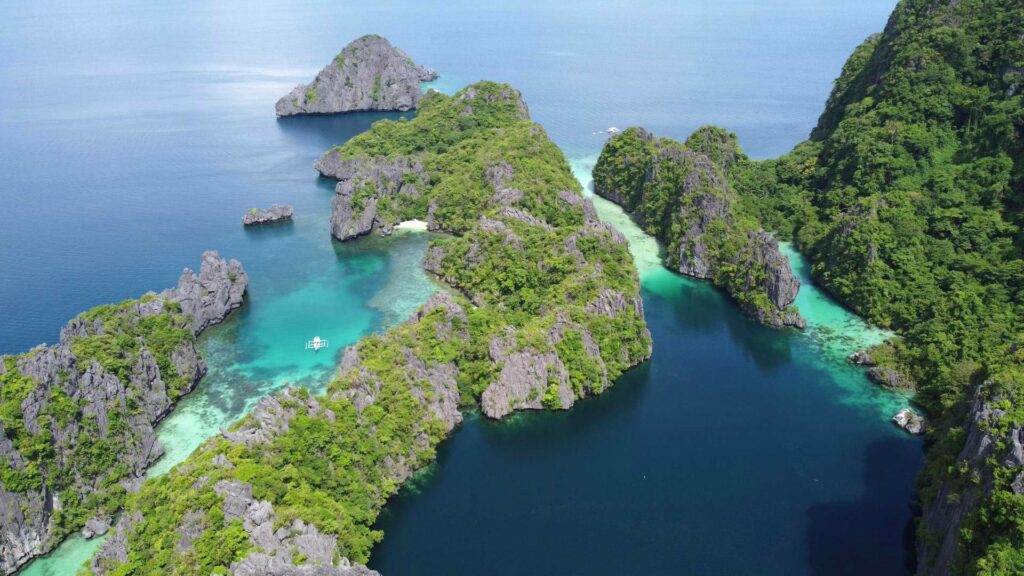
950 533
77 419
682 196
542 308
368 74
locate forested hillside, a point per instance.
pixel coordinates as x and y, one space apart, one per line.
542 308
907 197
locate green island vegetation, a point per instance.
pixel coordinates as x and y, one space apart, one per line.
907 198
61 446
680 194
529 270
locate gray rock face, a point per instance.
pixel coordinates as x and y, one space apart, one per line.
275 213
888 378
95 527
368 74
278 549
215 292
861 358
779 283
909 421
700 204
944 516
533 378
27 528
362 183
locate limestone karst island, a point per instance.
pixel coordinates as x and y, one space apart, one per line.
613 288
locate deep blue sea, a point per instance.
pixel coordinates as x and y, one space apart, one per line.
133 136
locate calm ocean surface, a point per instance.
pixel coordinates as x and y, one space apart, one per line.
133 136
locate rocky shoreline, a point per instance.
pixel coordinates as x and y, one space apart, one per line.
680 194
368 74
94 399
512 208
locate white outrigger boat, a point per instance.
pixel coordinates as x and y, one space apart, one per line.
316 344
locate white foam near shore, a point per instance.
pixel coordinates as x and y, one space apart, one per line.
412 225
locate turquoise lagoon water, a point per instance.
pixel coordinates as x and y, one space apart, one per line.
134 135
738 449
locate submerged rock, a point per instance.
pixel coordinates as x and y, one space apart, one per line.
910 421
275 213
368 74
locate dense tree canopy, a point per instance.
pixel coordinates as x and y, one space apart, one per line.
907 198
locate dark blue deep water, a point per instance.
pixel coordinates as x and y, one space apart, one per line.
133 135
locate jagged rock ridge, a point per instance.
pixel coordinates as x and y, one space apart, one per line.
96 408
988 444
275 213
682 196
514 211
368 74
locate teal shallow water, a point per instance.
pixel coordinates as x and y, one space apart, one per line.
377 282
372 283
164 124
737 449
832 333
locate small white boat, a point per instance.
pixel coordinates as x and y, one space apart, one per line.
316 344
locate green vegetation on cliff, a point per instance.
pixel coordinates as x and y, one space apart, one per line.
60 447
907 198
544 309
680 194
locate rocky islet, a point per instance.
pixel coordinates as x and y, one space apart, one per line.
368 74
276 213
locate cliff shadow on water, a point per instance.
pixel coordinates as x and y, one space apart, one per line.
847 537
320 131
767 347
526 430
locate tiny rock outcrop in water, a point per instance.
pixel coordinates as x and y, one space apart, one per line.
275 213
369 74
909 421
861 358
680 194
93 400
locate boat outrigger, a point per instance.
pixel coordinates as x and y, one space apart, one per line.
316 344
